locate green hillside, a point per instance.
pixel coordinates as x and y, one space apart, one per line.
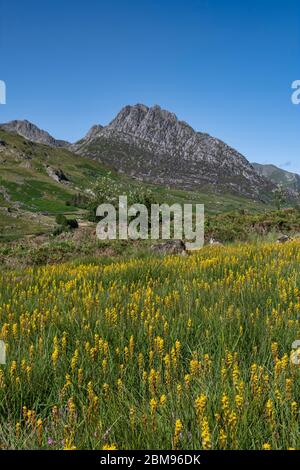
30 198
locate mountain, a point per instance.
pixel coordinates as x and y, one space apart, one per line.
151 144
31 132
277 175
38 181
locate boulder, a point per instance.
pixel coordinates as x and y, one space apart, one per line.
170 247
57 174
283 239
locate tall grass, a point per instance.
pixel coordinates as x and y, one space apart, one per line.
177 352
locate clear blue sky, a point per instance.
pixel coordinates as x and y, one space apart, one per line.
226 67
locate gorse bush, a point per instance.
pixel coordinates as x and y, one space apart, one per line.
155 353
61 219
108 190
64 224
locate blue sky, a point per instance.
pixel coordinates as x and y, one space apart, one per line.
225 67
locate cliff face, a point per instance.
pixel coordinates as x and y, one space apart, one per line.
151 144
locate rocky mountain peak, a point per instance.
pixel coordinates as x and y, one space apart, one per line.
152 144
30 131
93 132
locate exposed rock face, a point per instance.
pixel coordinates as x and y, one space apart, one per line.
151 144
93 132
31 132
57 174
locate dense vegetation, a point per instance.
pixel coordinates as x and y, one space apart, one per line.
176 352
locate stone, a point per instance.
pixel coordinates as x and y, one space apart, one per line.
170 247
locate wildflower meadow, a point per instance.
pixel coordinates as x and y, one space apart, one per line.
153 352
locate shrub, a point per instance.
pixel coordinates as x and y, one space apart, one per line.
72 223
61 219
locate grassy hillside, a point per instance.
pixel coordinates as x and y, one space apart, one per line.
30 198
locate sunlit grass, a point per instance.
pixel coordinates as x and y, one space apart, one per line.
154 353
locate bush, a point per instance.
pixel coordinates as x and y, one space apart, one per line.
58 230
72 223
61 219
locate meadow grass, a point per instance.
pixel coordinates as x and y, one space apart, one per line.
153 353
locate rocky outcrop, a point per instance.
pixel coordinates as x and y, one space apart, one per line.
57 174
151 144
31 132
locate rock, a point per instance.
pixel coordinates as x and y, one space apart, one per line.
212 241
57 174
170 247
283 239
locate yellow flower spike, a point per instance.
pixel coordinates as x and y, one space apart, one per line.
266 446
294 408
15 329
153 405
18 430
270 410
195 367
222 438
187 380
205 434
120 385
40 431
104 365
69 444
177 433
288 388
54 413
179 391
109 447
131 345
163 400
71 410
239 401
225 405
200 405
80 376
13 368
126 354
140 360
105 387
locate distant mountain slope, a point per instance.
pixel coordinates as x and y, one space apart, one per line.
152 145
31 132
39 177
38 181
277 175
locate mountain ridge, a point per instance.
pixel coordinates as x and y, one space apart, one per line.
31 132
151 144
289 180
